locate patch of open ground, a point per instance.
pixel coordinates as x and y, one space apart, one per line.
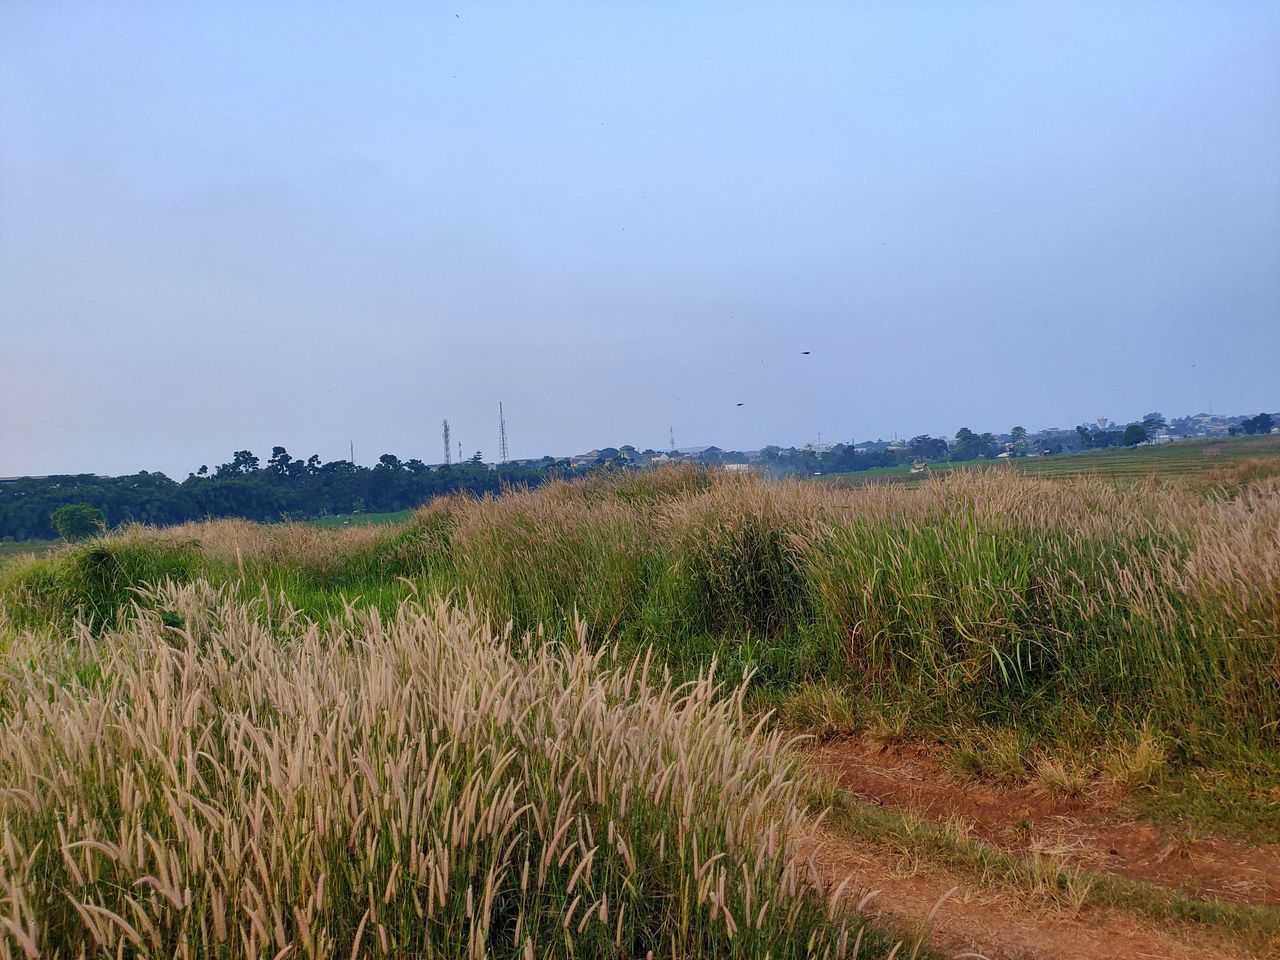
967 910
962 918
1090 831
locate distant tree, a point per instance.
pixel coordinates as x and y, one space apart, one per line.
1262 423
1134 434
279 461
925 447
476 459
1018 439
78 521
1153 423
971 446
1086 438
242 461
203 471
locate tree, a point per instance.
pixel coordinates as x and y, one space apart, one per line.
279 461
1262 423
1134 434
970 445
1018 439
78 521
925 447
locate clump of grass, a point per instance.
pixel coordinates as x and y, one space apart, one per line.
732 562
1061 777
822 710
95 581
999 754
887 723
240 782
1137 763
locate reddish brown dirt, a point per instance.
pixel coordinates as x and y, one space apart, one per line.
1089 831
967 920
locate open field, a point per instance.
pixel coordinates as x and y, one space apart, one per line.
361 519
1059 695
1224 460
14 548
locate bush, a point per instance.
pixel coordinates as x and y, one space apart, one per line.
78 521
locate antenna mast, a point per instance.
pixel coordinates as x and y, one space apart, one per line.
502 435
671 433
448 453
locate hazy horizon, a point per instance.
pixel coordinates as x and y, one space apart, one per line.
227 227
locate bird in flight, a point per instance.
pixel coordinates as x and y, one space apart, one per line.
806 352
740 404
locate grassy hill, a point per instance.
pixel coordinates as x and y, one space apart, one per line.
557 722
1224 460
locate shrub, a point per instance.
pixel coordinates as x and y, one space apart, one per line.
78 521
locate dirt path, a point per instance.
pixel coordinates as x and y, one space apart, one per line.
970 920
1089 832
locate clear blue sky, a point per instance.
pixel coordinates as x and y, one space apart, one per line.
229 225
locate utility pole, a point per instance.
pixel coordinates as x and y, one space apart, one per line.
671 434
353 453
448 452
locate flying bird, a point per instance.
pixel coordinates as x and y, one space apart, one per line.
806 352
740 404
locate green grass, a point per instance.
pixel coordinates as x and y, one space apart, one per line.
1180 459
17 548
1074 614
360 519
237 780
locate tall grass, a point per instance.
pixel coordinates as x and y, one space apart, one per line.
238 780
1071 607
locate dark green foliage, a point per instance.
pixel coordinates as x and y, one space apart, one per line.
286 488
1134 434
77 521
95 582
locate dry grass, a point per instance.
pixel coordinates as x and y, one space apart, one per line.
247 782
1063 614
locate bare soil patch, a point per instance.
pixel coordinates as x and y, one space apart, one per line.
965 919
1091 831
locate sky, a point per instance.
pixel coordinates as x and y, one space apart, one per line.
234 225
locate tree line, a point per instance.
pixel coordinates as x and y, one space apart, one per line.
283 488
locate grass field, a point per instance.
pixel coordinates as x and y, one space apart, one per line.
14 548
1224 460
1069 634
360 519
17 548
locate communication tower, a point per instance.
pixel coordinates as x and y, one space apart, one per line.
448 453
502 435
